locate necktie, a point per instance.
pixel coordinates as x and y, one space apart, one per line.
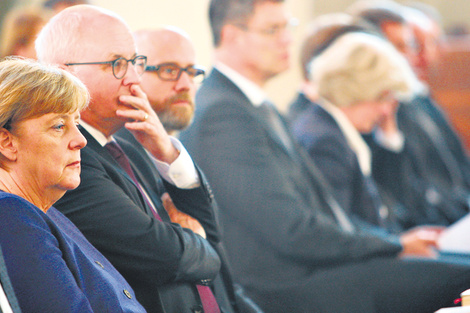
209 303
116 152
272 118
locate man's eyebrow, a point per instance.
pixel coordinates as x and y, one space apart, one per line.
116 56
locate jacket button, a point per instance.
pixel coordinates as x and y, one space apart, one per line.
99 263
127 293
197 309
205 282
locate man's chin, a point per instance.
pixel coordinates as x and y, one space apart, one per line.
181 104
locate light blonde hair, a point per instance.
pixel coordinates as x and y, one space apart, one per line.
361 67
29 89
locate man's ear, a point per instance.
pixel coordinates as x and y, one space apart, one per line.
8 145
229 33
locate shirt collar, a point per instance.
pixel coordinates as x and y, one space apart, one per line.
353 137
253 92
99 136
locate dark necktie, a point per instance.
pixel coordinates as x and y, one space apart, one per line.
272 118
209 303
116 152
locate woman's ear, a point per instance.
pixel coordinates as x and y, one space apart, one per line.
8 145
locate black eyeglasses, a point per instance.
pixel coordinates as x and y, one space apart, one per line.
120 65
172 72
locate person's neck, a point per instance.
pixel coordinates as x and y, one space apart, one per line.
12 182
231 60
107 128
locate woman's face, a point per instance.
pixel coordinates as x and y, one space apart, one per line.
366 115
48 152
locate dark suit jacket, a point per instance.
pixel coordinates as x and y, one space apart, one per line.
418 176
324 141
278 231
317 131
6 286
230 297
297 107
160 260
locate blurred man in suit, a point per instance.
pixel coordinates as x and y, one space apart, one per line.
291 245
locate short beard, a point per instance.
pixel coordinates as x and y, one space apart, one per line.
176 118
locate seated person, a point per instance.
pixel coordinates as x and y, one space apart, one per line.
52 267
292 246
433 176
355 94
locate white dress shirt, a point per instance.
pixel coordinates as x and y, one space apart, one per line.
353 137
253 92
4 304
182 173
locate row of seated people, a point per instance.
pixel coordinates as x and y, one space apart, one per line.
295 245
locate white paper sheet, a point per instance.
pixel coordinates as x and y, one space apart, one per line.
456 238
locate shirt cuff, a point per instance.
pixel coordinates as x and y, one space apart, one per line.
182 173
394 142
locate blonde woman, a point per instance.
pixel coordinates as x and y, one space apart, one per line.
52 267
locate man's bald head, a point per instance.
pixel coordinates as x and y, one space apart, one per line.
68 33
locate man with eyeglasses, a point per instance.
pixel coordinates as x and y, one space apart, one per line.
170 83
118 204
171 76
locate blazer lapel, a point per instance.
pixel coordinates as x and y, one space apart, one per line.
103 152
231 88
94 145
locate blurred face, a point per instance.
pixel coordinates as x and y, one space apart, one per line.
173 101
366 115
427 41
109 40
265 41
48 152
401 36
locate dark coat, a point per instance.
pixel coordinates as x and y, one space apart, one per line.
160 260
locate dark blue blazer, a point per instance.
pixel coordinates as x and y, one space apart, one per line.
53 268
298 107
318 132
320 135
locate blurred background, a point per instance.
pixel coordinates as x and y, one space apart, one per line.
191 15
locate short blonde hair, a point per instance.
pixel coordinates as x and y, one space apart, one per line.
29 89
361 67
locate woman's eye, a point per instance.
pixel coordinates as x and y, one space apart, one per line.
59 126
